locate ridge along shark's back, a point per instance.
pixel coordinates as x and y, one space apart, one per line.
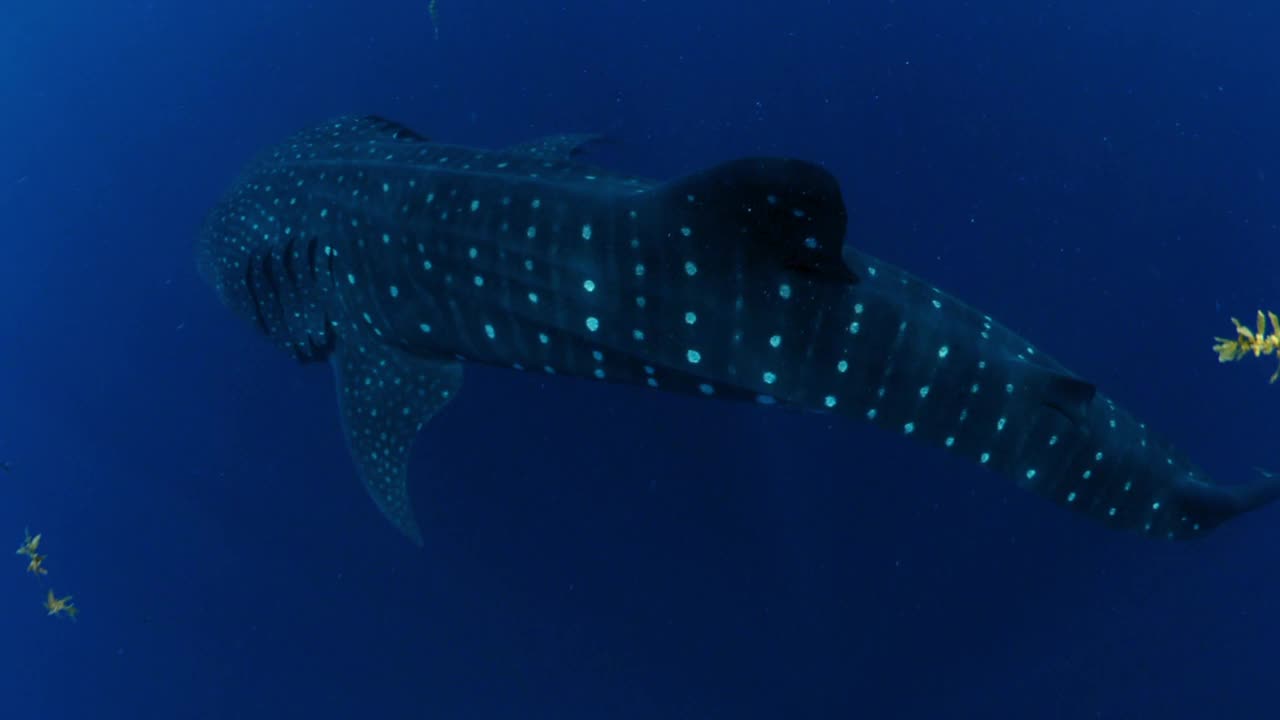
396 259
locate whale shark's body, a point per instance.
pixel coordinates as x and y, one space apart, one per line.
399 260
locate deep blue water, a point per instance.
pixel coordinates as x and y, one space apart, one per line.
1101 176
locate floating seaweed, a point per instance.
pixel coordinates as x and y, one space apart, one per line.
60 606
1252 342
54 605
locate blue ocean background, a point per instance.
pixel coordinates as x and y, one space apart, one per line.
1101 176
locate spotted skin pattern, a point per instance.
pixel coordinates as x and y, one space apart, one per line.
398 260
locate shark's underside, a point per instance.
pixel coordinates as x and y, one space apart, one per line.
398 260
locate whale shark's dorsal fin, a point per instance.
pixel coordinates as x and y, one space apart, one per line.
380 126
348 131
788 212
385 396
1069 396
556 147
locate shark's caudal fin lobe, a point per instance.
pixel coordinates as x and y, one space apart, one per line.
385 396
788 212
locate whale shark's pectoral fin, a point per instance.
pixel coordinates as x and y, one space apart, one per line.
385 396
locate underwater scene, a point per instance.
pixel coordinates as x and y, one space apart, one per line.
635 360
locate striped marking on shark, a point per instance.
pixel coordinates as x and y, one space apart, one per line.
398 260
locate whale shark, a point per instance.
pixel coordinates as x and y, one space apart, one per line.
400 260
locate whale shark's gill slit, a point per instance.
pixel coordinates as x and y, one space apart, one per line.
316 350
287 259
324 348
268 272
253 298
312 246
330 340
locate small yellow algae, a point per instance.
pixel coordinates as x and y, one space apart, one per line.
60 606
1252 342
36 566
29 544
